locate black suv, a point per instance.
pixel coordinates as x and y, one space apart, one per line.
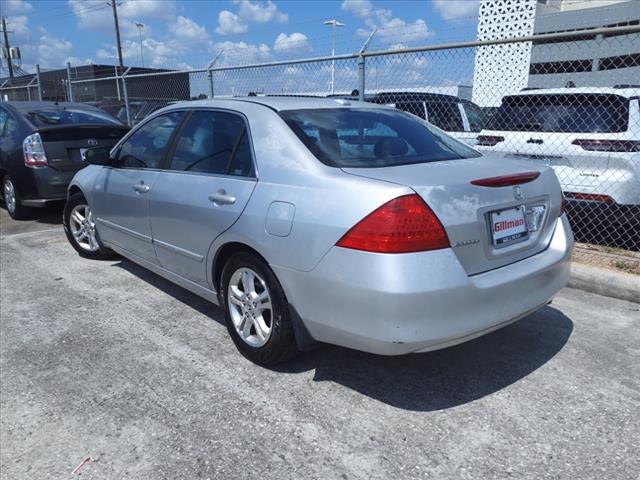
42 146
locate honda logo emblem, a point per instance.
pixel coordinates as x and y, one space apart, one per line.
517 193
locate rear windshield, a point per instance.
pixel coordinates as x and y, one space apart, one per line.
68 116
344 138
579 113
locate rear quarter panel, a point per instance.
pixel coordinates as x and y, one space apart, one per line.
327 201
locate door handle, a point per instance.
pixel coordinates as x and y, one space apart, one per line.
141 187
221 198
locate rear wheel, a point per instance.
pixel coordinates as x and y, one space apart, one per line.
256 310
80 228
12 200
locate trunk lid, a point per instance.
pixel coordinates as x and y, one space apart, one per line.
64 145
465 210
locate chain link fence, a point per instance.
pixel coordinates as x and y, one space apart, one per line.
568 100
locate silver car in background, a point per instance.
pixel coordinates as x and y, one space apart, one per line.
323 220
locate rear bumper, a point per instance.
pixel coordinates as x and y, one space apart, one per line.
397 304
39 187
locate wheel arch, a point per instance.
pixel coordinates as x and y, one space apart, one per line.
73 189
224 253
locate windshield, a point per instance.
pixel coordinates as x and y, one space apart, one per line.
575 113
344 137
69 116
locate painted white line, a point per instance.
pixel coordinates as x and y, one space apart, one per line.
26 234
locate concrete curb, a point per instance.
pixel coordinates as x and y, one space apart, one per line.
620 285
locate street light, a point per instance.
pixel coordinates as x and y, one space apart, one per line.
140 27
334 23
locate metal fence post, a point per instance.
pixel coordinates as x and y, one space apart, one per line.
361 78
210 71
39 82
126 96
69 85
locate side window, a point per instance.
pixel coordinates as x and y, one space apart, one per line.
8 125
207 142
445 115
144 149
242 162
475 117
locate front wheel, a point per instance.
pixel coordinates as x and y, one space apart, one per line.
256 310
80 228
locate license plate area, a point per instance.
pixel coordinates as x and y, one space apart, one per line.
508 226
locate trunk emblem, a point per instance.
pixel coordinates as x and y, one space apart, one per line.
517 193
465 243
92 141
537 141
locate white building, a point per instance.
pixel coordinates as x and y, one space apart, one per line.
588 60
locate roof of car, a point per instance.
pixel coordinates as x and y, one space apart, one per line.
28 106
284 103
623 91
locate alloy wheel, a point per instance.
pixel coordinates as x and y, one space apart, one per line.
9 195
83 228
249 304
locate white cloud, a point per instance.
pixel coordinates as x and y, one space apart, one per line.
260 12
295 43
148 9
359 8
390 29
229 23
456 9
186 29
53 51
16 6
96 15
241 52
19 26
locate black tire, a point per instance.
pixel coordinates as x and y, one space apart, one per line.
19 211
102 252
281 344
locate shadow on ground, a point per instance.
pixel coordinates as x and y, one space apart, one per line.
420 382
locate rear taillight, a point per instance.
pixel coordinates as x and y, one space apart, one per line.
506 180
403 225
608 145
488 140
33 150
593 197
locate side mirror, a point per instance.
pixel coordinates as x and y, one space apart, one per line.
97 156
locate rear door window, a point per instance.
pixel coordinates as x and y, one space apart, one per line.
573 113
146 146
208 142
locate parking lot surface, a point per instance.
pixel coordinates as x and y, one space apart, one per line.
109 361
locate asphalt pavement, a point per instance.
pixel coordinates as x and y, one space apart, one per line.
106 360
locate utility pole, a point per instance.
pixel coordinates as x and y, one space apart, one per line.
7 48
115 19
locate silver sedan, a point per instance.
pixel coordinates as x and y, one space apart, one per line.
322 220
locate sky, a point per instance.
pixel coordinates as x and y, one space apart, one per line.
190 33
